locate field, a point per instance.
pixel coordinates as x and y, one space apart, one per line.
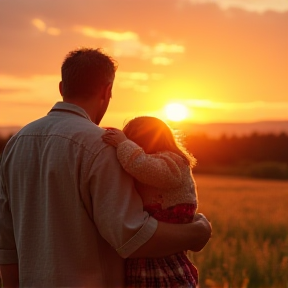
249 245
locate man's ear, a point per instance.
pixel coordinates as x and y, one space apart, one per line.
60 88
108 91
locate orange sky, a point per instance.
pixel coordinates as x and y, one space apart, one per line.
227 62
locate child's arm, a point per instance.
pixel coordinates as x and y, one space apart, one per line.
158 170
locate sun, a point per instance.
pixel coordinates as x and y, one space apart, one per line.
176 112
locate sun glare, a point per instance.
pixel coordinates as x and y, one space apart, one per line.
176 112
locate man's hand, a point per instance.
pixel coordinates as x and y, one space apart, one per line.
114 137
204 232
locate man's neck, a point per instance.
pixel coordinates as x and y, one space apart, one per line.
88 106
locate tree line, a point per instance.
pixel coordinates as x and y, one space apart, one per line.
256 155
232 150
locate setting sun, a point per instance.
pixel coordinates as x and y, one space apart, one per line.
176 112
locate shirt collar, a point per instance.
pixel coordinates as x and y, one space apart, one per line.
70 108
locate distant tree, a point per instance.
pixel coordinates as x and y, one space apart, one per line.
3 142
232 150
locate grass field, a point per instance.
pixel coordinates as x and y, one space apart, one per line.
249 246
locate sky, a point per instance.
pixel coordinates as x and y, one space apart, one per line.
225 61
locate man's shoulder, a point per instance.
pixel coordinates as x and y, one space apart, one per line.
68 127
77 130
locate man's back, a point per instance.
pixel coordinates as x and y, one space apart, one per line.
47 169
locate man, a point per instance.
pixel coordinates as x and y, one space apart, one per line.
69 214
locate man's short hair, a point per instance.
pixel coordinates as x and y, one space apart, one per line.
85 71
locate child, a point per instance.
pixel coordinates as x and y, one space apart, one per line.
161 168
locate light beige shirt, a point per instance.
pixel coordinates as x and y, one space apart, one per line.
69 213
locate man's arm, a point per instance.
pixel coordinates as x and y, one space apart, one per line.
9 272
173 238
10 275
120 219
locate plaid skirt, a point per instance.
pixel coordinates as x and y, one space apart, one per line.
171 271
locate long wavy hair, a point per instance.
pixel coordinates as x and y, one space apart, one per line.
154 135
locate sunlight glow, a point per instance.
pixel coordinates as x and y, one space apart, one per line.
176 112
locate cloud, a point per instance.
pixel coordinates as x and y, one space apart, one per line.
161 61
39 24
134 76
128 44
259 6
205 110
42 27
27 97
38 89
131 48
13 90
106 34
160 51
169 48
53 31
200 103
137 81
157 54
142 76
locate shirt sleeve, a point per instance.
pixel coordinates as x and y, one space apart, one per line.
159 170
117 207
8 252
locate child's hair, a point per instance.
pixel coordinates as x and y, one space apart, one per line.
154 135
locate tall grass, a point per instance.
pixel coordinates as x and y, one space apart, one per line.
249 246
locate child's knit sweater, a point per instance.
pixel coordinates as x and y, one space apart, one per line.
163 180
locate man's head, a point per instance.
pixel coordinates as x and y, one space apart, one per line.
87 79
85 71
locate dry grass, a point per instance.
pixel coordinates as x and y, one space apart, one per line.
249 247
